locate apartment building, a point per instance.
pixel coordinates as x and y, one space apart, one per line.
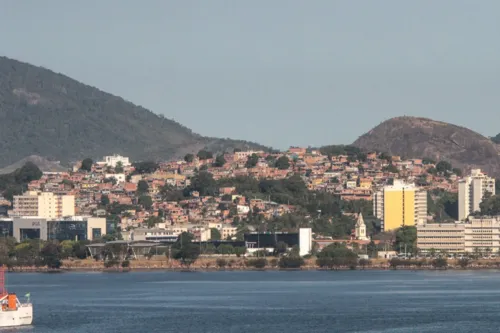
471 191
45 205
400 204
479 234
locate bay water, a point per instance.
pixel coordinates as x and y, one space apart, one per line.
267 301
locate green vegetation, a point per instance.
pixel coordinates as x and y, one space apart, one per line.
14 183
336 256
50 114
185 250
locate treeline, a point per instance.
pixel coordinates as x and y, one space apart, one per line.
14 183
39 253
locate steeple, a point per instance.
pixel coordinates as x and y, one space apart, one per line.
361 228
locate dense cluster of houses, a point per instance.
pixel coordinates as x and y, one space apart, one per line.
114 181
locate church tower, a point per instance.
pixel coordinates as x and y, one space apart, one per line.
361 229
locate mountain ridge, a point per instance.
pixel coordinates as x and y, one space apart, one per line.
52 115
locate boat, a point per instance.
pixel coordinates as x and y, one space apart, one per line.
13 312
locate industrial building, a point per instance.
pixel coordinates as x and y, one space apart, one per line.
400 204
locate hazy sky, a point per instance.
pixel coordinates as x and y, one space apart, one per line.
279 72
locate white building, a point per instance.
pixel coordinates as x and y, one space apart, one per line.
44 205
471 191
478 235
120 177
360 231
113 160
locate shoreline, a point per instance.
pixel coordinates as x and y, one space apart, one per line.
238 269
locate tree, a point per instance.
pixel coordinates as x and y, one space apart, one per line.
215 234
372 250
221 262
252 161
184 250
280 248
142 187
204 183
51 255
119 167
189 158
390 168
443 167
87 164
219 160
406 239
152 221
440 263
336 255
282 163
490 205
145 201
291 262
145 167
204 154
28 172
105 200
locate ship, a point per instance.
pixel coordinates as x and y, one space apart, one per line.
13 312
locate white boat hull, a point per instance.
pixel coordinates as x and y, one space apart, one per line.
22 316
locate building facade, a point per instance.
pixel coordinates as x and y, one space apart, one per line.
73 228
113 160
45 205
471 191
478 235
400 204
448 237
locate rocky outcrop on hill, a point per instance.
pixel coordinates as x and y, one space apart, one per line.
413 137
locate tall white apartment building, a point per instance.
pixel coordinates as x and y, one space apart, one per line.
113 160
45 205
471 191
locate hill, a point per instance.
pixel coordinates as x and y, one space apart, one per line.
42 163
51 115
413 137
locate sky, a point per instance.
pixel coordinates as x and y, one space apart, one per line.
277 72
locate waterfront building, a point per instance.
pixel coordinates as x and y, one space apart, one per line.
400 204
67 228
45 205
478 235
471 191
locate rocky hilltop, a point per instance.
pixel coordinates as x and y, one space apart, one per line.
413 137
49 114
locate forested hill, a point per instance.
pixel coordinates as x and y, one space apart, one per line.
51 115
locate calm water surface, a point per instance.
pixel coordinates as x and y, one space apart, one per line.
352 301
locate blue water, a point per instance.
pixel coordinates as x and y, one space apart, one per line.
350 301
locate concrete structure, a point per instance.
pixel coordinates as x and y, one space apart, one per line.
399 205
69 228
479 235
113 160
167 234
44 205
360 231
448 237
267 241
471 191
305 241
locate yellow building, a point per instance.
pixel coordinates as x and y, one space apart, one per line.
44 204
400 205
